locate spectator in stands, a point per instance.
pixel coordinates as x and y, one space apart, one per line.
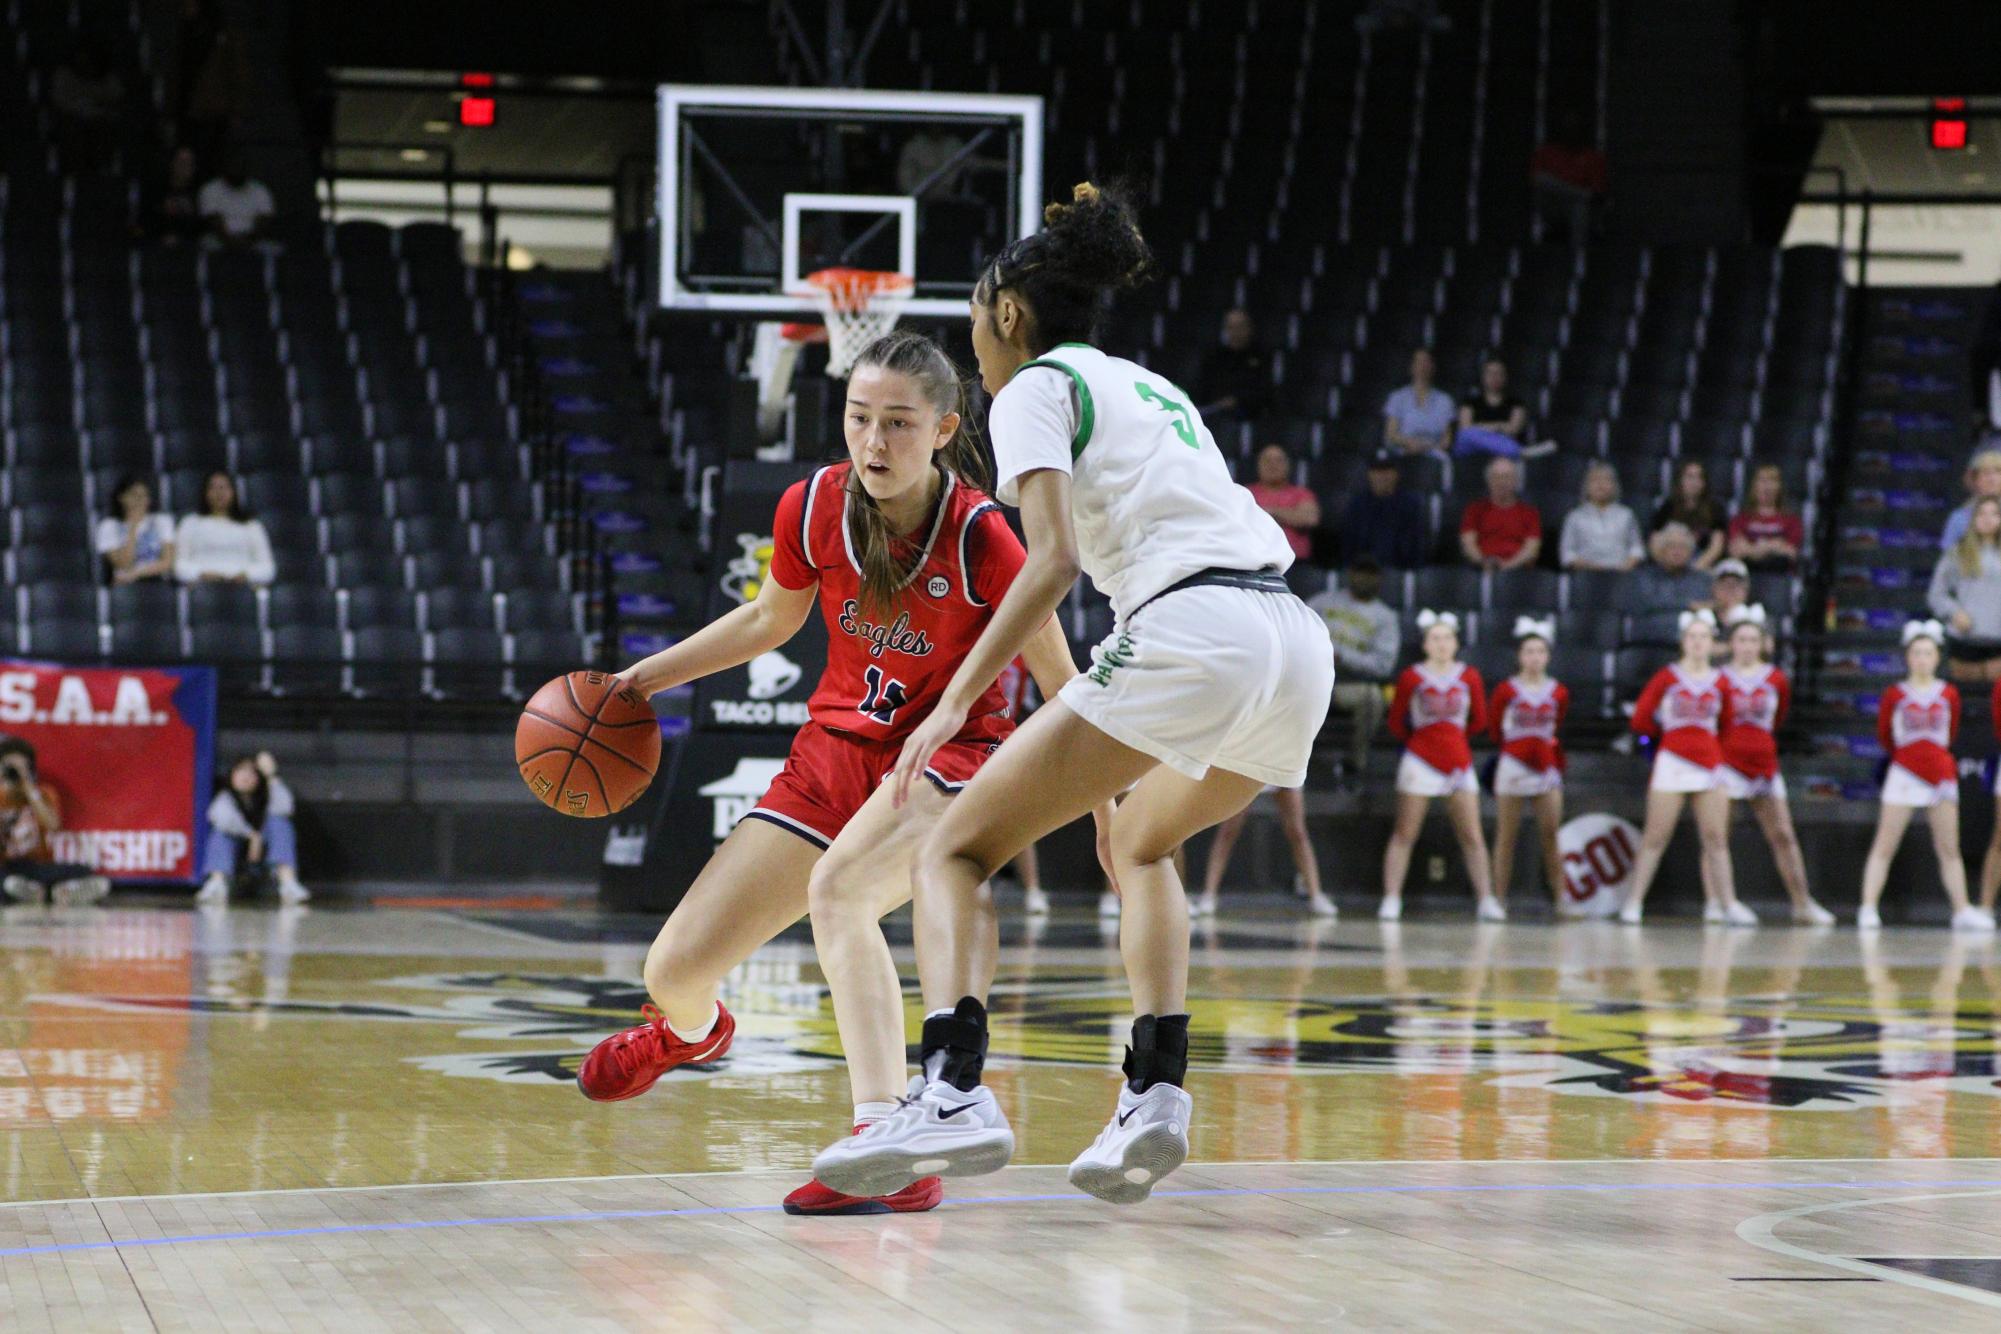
1601 533
236 209
172 215
1966 595
1766 535
210 74
87 95
1691 505
222 544
1568 177
1367 639
1492 407
30 814
1729 589
133 540
1983 478
250 826
1501 531
1381 522
1295 507
1419 417
1236 375
1671 583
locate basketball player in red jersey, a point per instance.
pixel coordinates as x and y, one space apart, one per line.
907 561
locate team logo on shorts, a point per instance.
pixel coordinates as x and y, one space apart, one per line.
939 586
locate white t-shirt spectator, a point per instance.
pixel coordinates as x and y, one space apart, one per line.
208 544
149 544
241 208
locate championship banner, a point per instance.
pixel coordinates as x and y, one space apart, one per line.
129 754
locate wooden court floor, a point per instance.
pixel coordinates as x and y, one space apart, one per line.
364 1119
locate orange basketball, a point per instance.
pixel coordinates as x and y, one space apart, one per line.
586 745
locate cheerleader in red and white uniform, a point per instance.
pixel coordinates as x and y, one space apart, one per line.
1687 709
1760 694
1527 712
1438 704
1990 868
1916 723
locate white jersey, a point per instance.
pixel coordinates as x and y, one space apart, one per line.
1150 494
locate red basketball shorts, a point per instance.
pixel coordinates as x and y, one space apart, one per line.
828 774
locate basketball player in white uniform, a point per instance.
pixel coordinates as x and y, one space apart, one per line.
1213 683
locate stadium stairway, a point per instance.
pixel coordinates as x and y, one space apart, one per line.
627 488
1904 477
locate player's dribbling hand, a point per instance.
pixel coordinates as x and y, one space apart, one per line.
930 737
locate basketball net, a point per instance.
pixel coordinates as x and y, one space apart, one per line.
859 306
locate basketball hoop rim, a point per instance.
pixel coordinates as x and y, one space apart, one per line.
850 289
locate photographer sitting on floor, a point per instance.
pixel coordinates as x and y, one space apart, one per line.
29 814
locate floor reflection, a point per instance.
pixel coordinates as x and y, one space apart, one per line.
163 1050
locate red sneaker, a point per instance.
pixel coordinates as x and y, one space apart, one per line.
915 1198
627 1064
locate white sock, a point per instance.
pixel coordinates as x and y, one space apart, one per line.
868 1113
699 1032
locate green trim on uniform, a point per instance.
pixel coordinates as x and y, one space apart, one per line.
1087 411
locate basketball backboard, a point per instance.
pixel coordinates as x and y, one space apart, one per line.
760 186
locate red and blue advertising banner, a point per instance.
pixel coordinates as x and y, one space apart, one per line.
130 755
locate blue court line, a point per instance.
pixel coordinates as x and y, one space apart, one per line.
1071 1197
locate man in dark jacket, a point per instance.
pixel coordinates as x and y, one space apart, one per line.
1383 522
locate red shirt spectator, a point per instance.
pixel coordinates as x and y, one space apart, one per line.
1502 531
1766 535
1295 508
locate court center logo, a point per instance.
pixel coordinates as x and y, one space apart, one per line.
1825 1054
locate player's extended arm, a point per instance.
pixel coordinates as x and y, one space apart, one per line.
734 638
1045 579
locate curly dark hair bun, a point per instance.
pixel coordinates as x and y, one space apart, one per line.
1087 250
1099 237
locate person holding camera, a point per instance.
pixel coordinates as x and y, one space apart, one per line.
29 814
250 826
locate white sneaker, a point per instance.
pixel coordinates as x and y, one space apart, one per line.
1811 913
1713 914
1490 910
1035 902
80 892
1108 906
1630 914
291 891
1145 1140
1739 914
26 889
1973 919
1868 919
936 1130
1323 907
1201 906
1391 909
215 889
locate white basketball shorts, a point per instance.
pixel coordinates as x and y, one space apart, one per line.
1214 676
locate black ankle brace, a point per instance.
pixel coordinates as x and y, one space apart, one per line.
1159 1052
959 1040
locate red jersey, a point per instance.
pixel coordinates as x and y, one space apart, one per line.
884 673
1526 720
1759 699
1917 728
1687 712
1434 714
